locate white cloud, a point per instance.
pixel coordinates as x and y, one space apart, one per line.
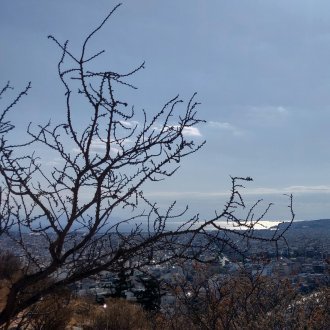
226 127
128 124
288 190
267 114
191 131
309 189
54 162
253 191
282 110
187 131
98 145
185 194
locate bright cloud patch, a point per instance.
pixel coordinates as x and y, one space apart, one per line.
290 190
282 110
98 145
54 162
252 191
268 114
309 189
191 131
187 131
270 110
226 127
128 124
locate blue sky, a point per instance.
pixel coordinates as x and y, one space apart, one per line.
261 70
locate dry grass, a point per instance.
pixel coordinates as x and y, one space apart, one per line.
118 314
4 285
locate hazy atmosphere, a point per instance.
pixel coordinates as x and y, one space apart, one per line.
261 71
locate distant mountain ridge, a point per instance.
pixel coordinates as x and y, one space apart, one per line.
323 224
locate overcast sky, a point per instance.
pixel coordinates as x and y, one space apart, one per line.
261 70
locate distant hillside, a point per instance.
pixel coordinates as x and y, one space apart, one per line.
320 224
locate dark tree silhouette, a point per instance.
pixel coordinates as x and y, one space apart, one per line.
150 296
121 283
6 221
81 193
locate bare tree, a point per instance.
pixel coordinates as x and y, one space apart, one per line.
233 301
245 301
6 126
71 207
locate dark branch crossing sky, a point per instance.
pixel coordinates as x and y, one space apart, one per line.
261 70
